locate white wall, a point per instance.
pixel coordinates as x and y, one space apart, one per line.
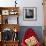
27 3
38 5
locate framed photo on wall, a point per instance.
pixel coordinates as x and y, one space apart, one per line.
5 12
30 13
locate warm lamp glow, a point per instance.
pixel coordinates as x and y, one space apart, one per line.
15 30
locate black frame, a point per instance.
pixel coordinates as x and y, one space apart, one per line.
29 13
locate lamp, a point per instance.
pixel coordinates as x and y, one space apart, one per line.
15 30
15 3
15 37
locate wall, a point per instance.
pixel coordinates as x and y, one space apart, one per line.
38 5
37 29
26 3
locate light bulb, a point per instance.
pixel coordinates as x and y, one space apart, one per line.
15 30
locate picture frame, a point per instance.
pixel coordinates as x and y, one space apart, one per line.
13 12
5 12
30 13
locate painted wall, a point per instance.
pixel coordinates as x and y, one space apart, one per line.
37 29
38 5
27 3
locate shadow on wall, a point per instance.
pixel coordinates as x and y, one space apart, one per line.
37 29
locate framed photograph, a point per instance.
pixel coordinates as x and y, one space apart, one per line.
5 12
13 12
30 13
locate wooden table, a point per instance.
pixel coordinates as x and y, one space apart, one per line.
9 43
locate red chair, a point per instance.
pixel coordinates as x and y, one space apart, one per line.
29 33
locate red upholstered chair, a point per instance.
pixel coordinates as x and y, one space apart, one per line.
29 33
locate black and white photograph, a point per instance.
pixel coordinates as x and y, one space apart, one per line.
29 13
